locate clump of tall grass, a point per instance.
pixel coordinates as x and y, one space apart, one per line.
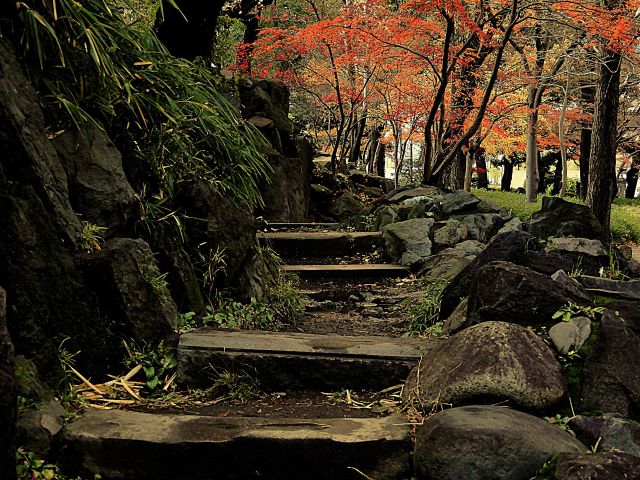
86 60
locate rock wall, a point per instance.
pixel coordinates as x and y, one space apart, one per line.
133 281
8 397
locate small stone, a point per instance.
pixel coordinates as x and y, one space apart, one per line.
570 336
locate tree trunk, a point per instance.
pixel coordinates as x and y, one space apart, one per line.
189 32
585 151
604 134
354 156
507 175
380 159
532 175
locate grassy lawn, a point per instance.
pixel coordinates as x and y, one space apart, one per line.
625 214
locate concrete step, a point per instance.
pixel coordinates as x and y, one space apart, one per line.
122 445
296 226
290 361
321 244
350 272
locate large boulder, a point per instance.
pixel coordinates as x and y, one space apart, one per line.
400 195
611 380
487 443
628 290
586 255
287 195
597 466
408 242
560 218
98 187
385 215
8 397
481 226
37 427
513 293
27 154
494 362
346 206
608 432
459 201
509 247
131 289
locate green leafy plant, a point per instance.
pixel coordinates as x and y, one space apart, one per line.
157 362
236 385
572 310
548 470
425 315
89 239
252 316
30 467
562 422
89 65
187 322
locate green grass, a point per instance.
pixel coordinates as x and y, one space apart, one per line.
625 213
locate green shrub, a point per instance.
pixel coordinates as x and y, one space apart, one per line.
90 65
425 315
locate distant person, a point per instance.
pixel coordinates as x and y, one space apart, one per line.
632 180
481 165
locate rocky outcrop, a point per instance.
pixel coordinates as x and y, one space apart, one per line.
408 242
608 432
98 188
8 397
487 443
37 427
131 289
508 247
28 158
598 466
513 293
560 218
492 362
611 379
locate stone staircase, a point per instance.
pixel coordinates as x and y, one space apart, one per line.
120 444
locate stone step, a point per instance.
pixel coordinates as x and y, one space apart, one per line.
350 272
291 361
296 226
123 445
321 244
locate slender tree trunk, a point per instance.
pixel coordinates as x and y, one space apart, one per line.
563 145
533 174
585 151
354 156
468 170
507 175
602 161
380 159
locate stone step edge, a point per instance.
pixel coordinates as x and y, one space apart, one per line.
125 444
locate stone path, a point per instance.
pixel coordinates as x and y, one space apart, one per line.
341 342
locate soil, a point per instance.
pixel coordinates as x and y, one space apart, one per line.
378 309
294 404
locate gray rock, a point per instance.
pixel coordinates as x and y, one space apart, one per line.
98 187
611 382
449 233
132 288
512 293
489 206
8 397
494 360
513 225
411 259
487 443
609 432
385 215
414 192
373 192
481 226
346 206
287 195
570 336
320 193
468 248
409 237
628 290
582 246
560 218
38 427
570 284
443 265
597 466
458 201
